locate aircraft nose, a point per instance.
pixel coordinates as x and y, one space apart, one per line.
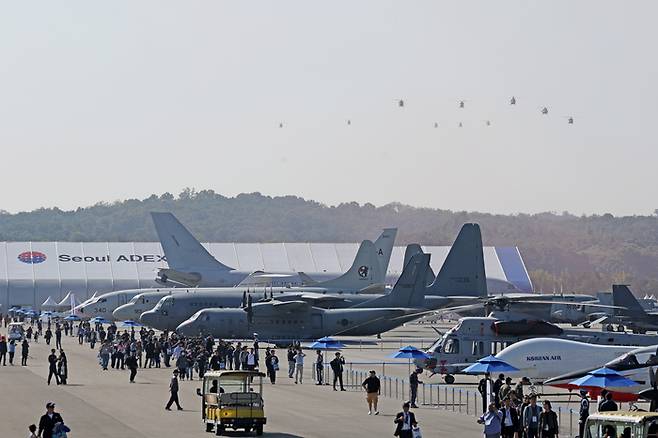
186 328
122 313
149 318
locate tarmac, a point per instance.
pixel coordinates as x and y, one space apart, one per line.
101 404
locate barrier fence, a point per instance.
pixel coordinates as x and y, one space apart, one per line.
438 396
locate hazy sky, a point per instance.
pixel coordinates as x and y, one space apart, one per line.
121 99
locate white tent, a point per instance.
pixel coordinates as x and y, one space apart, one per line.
68 302
49 303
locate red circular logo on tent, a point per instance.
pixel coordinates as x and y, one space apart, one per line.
32 257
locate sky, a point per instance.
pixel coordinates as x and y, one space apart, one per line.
101 101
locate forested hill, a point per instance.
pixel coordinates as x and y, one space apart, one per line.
583 254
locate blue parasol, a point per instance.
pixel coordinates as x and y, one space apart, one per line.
489 364
603 378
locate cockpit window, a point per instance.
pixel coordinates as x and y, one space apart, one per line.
451 346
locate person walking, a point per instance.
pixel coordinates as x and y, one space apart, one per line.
548 425
12 350
372 387
319 368
583 414
498 383
299 366
3 351
291 362
173 389
337 365
485 388
48 336
405 421
48 421
58 337
131 363
413 386
62 367
272 365
25 351
52 367
510 419
531 418
492 420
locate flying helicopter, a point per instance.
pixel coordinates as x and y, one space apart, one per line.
280 125
461 125
461 104
401 103
512 101
544 110
436 124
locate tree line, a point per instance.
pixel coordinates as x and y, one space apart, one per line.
563 252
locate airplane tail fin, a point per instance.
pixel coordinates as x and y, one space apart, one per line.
409 290
463 272
365 270
623 297
384 248
182 249
411 250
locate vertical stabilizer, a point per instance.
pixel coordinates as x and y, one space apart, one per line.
409 290
365 270
384 248
623 297
462 273
183 251
411 250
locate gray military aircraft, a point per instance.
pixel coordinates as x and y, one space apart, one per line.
298 320
632 313
191 265
188 301
461 280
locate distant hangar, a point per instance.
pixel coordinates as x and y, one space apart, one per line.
32 271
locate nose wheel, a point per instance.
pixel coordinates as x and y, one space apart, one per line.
449 379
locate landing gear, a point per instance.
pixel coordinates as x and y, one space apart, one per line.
449 379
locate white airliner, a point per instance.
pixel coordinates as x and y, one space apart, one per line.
542 358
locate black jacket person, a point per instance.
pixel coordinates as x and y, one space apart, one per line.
48 421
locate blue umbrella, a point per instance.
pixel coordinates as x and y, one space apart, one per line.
326 343
489 364
131 323
46 313
99 320
603 378
72 318
409 352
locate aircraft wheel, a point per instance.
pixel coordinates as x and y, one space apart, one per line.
449 379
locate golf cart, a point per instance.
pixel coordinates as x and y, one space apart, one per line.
232 399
